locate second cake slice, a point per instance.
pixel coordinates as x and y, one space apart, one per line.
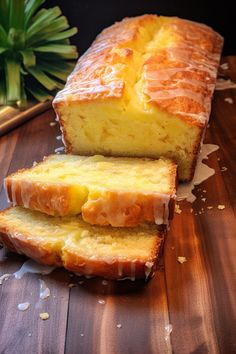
105 190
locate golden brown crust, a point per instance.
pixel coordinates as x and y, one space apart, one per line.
181 78
50 199
129 209
196 150
44 253
20 243
178 78
98 73
116 208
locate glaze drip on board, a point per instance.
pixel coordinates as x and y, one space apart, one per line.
202 172
44 292
31 266
23 306
222 84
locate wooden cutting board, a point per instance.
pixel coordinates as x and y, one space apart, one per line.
198 298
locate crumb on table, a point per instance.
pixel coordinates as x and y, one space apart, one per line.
182 259
177 209
44 315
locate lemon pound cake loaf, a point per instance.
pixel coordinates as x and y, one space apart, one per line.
79 247
113 191
143 88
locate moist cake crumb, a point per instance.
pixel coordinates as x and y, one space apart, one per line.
101 302
71 285
168 330
229 100
177 209
224 66
44 315
182 259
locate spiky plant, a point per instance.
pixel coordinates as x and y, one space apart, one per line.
35 52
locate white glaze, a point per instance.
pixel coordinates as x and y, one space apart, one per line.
168 330
229 100
222 84
104 282
190 52
101 302
4 277
192 60
148 269
13 192
6 192
25 195
160 208
224 66
24 306
31 266
44 292
59 149
120 269
202 172
88 276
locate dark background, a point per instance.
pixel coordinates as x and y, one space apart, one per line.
91 16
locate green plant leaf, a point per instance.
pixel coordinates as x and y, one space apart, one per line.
4 14
63 35
3 36
34 50
57 56
22 103
16 14
16 38
2 50
13 80
55 70
2 90
44 79
56 48
30 9
29 58
41 21
60 64
45 33
38 93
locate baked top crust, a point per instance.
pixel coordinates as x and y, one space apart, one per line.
176 67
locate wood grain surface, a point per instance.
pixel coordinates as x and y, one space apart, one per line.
198 297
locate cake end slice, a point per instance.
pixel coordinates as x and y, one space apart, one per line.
113 253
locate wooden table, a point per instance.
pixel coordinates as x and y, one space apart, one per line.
198 297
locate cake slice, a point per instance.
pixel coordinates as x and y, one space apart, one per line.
143 88
106 190
89 250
